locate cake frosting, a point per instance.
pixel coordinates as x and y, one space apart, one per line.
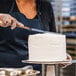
47 47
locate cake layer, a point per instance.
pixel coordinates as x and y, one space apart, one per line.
47 47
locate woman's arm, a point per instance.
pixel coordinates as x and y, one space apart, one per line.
53 29
52 26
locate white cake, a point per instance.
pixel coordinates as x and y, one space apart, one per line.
47 47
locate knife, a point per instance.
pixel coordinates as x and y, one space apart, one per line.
33 29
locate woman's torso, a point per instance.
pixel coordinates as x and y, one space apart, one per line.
14 43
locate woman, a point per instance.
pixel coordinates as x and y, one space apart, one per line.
15 14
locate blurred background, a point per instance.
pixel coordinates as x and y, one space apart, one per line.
65 17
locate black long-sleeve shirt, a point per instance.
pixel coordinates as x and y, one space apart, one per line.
14 43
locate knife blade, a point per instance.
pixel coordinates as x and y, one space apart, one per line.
33 29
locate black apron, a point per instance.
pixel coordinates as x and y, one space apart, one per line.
14 43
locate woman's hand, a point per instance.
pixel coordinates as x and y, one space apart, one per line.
69 58
7 20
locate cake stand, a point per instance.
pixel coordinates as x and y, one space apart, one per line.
49 68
